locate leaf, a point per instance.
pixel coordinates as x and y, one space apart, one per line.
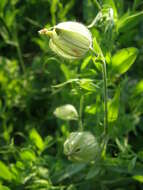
127 22
87 84
132 164
138 89
66 71
93 172
96 46
113 5
36 138
27 155
138 178
71 170
66 112
91 109
2 187
86 62
122 60
5 172
113 107
65 83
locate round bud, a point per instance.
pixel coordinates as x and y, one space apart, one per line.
70 40
81 147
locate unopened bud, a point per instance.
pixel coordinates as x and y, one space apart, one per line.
70 40
81 147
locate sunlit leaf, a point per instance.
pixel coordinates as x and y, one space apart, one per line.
113 5
27 155
85 62
138 89
96 46
113 107
3 187
5 172
36 138
88 85
122 60
138 178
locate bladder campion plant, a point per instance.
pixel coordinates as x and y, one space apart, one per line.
72 40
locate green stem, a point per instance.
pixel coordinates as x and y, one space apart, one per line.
80 113
105 92
15 37
105 97
20 55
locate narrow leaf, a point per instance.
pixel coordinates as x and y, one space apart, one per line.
129 21
36 138
5 172
113 107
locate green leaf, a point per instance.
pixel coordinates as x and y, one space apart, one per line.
113 107
132 164
66 71
66 112
27 155
93 172
127 22
65 83
36 138
86 62
122 60
91 109
112 4
71 170
87 84
2 187
138 178
96 46
5 172
138 89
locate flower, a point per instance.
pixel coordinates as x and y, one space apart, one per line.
81 147
70 40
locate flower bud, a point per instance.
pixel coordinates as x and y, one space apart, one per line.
66 112
81 147
70 40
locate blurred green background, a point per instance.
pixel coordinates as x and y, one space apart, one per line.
31 137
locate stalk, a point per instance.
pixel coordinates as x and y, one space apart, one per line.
80 113
20 55
105 92
105 97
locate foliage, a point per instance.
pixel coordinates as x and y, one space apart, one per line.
34 82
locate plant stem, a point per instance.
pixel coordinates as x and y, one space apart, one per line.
105 97
105 92
19 53
80 113
20 57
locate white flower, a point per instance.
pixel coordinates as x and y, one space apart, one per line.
70 40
